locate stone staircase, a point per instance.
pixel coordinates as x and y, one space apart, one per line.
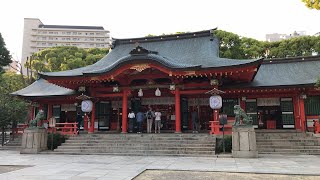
12 144
286 142
140 144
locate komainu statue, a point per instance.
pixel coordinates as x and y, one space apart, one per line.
240 114
34 123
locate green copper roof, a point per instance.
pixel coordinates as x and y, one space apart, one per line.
181 51
42 88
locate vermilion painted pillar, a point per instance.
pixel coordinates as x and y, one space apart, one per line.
85 122
91 129
243 104
296 113
302 114
178 110
49 115
124 111
215 115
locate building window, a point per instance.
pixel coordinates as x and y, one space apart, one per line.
68 39
50 44
50 38
75 39
91 45
74 33
91 39
91 33
43 44
312 105
63 32
55 32
44 38
68 33
50 32
63 39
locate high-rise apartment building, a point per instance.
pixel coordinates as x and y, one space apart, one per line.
38 36
278 37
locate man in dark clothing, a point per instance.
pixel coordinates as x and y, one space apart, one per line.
79 120
195 119
140 117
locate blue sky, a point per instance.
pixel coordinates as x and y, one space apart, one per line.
127 18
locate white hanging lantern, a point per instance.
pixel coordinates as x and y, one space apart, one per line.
140 93
158 92
86 106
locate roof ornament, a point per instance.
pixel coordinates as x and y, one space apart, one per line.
138 50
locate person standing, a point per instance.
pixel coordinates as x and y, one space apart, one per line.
149 115
140 117
195 121
79 121
157 122
131 117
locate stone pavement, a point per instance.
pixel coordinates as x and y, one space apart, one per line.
101 167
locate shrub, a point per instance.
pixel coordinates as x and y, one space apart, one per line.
227 143
58 139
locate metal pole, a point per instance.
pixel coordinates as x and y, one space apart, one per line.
52 130
223 145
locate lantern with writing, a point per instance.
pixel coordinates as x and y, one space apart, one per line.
86 106
215 102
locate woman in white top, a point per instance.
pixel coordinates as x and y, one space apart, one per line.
157 122
131 117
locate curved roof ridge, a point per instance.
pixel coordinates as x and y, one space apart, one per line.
160 59
164 37
42 87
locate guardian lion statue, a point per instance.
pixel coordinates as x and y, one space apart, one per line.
34 123
240 114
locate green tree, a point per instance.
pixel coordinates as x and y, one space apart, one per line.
312 4
12 109
230 45
5 57
63 58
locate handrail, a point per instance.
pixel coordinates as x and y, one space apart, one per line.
65 128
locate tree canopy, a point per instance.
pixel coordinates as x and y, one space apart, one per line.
11 108
312 4
63 58
5 57
237 47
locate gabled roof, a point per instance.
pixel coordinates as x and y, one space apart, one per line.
286 72
179 51
41 88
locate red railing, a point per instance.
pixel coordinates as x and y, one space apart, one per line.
19 129
65 128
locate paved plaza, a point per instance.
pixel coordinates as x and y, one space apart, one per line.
101 167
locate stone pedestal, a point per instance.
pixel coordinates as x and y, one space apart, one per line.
34 140
244 142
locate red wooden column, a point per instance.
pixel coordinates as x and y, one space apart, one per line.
297 119
49 115
178 110
91 129
243 104
302 115
124 111
85 124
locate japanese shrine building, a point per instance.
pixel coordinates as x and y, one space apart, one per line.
172 73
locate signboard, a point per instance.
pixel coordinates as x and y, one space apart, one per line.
68 107
223 119
215 102
86 106
268 102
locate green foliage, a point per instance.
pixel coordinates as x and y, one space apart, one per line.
5 57
11 108
58 139
236 47
63 58
312 4
227 143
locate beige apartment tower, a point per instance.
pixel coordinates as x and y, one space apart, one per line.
38 36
